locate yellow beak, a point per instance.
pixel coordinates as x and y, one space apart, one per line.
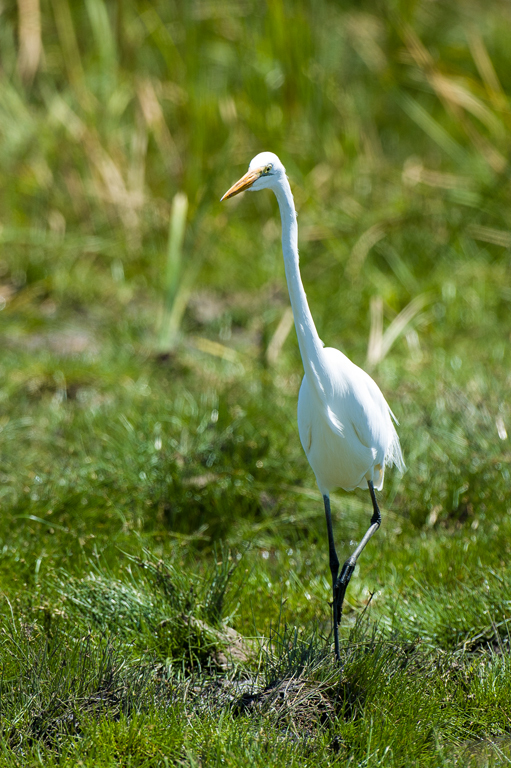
244 183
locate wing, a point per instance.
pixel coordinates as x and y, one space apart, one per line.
356 400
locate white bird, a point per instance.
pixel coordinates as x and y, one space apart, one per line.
345 424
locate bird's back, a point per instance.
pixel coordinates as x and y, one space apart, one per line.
346 429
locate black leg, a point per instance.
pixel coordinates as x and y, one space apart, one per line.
341 585
334 570
376 518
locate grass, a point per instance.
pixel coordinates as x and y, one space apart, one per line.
164 576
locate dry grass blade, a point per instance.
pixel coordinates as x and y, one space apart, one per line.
153 116
365 33
30 41
379 342
279 337
490 235
362 247
456 94
486 69
415 173
109 182
491 154
376 330
458 99
295 702
137 168
213 348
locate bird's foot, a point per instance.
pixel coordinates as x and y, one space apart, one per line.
341 586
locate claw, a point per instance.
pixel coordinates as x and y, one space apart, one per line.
341 586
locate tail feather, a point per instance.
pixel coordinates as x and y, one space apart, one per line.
394 455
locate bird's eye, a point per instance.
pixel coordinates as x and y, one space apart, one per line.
268 168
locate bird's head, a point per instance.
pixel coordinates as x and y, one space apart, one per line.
264 172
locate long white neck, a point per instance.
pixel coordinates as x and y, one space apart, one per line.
308 340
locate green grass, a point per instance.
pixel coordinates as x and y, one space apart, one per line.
164 572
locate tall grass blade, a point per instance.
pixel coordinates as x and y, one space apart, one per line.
71 51
176 290
103 35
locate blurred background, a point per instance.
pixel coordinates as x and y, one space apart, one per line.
149 368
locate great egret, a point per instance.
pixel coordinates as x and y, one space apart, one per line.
344 422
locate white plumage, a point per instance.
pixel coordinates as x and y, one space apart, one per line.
346 430
345 424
